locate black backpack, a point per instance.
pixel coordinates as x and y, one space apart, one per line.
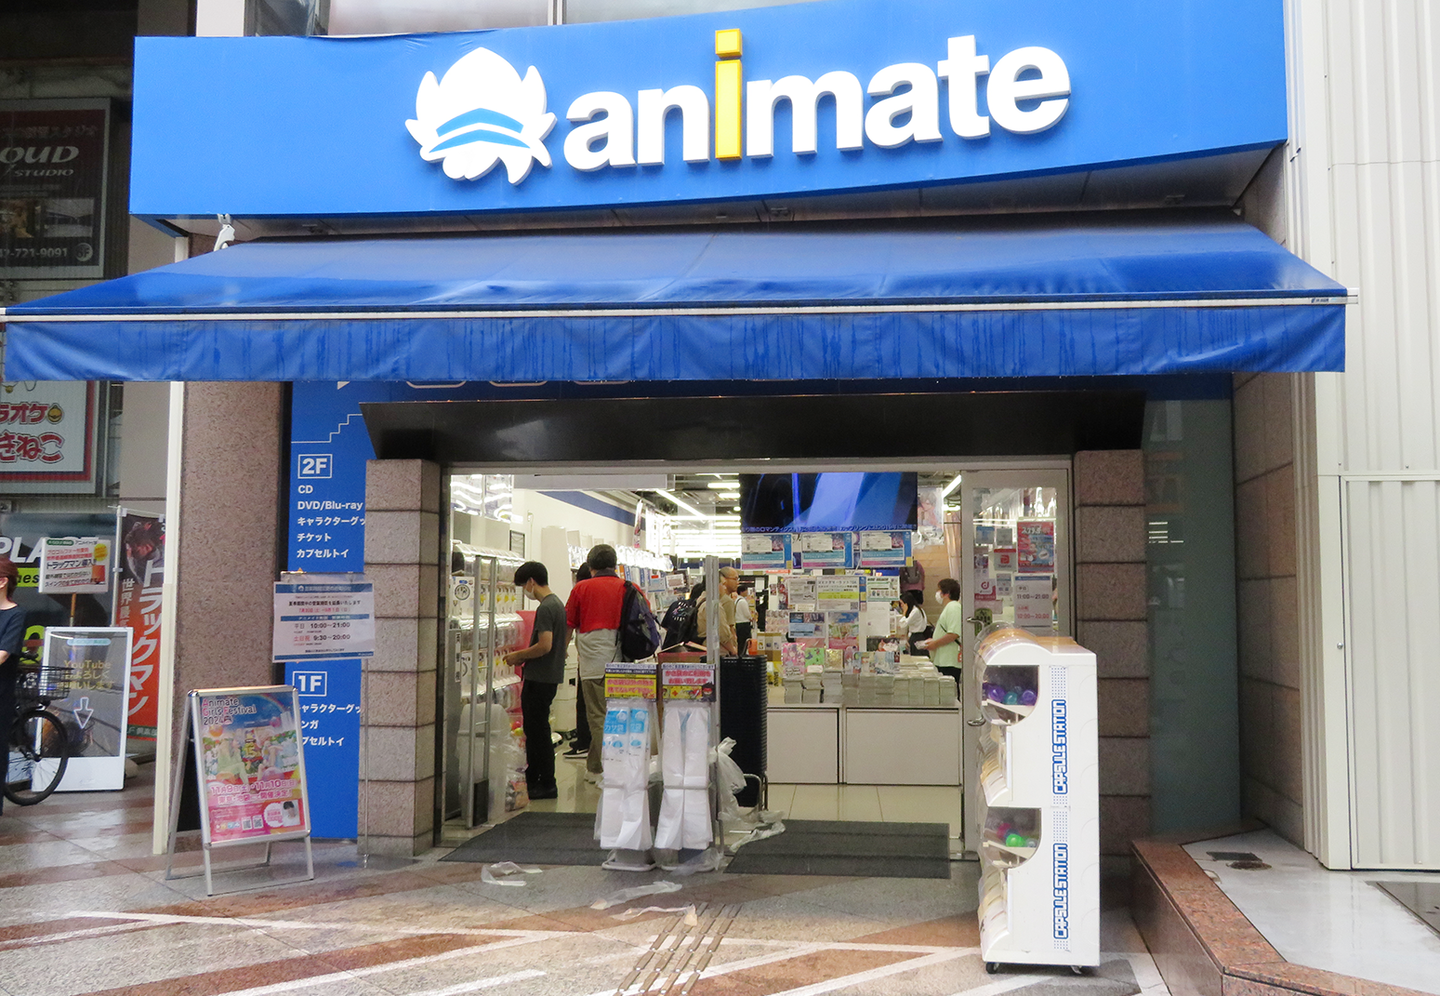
679 621
639 633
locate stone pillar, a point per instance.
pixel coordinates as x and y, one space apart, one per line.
1111 612
403 559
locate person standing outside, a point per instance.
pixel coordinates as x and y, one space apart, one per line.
12 641
729 583
744 617
593 615
544 662
944 646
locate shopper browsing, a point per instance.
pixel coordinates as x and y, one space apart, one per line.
593 614
544 669
729 583
944 646
744 617
914 627
580 742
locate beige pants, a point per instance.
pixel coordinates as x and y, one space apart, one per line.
593 690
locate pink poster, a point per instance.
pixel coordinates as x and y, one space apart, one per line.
1035 546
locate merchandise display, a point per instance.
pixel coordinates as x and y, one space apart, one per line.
1040 843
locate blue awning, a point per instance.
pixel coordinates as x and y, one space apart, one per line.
1080 296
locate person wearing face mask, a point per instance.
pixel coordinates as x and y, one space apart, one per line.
944 646
544 662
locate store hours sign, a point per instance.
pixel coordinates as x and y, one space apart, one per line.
324 616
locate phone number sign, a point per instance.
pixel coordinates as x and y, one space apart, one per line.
324 618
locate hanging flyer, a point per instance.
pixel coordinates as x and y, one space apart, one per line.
825 550
70 566
1035 546
801 594
838 593
765 551
887 549
688 682
324 617
252 769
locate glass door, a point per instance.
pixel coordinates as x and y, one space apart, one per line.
1014 564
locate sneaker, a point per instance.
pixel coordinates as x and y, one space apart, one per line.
577 752
549 792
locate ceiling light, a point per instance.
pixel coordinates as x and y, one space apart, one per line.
687 507
950 487
723 485
728 496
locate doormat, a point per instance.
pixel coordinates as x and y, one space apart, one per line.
831 847
535 838
1420 898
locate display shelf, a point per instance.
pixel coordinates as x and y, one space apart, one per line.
1040 888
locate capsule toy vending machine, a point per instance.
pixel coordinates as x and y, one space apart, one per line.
1040 844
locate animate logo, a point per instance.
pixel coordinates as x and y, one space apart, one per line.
482 113
1059 748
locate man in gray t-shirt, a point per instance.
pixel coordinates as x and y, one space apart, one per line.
544 662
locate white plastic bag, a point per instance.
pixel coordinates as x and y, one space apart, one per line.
730 779
516 872
685 806
635 892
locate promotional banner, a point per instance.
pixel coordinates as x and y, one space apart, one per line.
95 664
252 768
329 694
74 566
48 436
141 546
53 155
325 616
765 551
824 550
884 549
1035 546
688 682
630 680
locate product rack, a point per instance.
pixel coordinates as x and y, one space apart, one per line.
1040 845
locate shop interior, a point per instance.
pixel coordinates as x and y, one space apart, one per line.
856 726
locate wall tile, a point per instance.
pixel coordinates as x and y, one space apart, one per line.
1123 818
392 698
401 537
1285 632
1280 520
425 697
1122 649
401 485
1109 534
392 808
1249 412
1279 419
1124 707
392 752
1111 591
1257 730
400 847
1110 477
1252 552
1288 820
1124 766
1288 764
1253 617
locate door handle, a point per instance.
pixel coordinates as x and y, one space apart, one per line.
974 722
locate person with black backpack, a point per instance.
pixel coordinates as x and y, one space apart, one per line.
679 621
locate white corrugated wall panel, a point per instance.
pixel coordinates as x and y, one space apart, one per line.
1367 110
1394 532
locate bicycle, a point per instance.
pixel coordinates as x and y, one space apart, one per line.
39 743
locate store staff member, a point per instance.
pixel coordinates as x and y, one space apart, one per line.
944 646
544 662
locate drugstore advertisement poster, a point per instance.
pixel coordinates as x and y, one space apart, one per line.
1035 546
137 605
252 770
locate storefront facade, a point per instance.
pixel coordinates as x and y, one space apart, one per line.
1076 285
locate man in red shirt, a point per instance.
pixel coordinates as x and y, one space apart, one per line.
593 615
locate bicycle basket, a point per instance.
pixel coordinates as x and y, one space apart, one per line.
46 682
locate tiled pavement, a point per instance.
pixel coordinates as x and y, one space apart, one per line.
85 908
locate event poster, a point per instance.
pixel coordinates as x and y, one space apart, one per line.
141 549
252 769
806 625
888 549
1035 546
765 551
843 630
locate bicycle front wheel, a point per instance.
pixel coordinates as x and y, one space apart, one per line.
39 752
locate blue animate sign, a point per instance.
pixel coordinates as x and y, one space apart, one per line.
810 98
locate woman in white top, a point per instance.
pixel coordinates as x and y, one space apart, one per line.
914 625
743 618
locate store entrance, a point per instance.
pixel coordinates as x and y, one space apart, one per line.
1001 530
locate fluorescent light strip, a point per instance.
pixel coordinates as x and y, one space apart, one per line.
951 487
